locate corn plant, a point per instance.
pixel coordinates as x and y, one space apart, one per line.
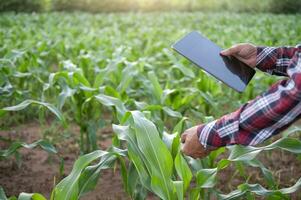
164 171
120 66
14 147
156 165
22 196
152 159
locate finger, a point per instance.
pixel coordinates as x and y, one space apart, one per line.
231 51
183 137
183 150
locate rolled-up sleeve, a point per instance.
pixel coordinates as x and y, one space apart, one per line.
269 113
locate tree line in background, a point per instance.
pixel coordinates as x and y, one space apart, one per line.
274 6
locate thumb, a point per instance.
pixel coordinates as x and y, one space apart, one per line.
183 137
231 51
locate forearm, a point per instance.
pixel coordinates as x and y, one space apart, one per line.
259 119
275 60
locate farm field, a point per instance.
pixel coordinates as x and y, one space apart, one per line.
92 107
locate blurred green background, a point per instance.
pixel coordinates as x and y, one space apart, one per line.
273 6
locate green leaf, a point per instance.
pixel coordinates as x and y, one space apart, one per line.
168 139
112 101
260 190
171 113
288 144
132 181
66 92
135 155
267 174
129 72
26 103
13 148
245 153
2 194
91 129
241 153
90 175
223 163
176 145
194 194
167 110
149 154
156 86
179 126
68 188
80 78
99 79
185 70
206 178
158 157
33 196
179 189
183 171
110 91
22 74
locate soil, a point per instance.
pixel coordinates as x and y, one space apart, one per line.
39 170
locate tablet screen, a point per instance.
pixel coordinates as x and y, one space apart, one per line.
206 55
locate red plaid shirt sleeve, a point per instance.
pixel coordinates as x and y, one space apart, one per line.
269 113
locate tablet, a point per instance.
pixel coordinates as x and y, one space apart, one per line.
206 55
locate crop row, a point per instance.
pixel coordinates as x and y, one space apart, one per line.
80 68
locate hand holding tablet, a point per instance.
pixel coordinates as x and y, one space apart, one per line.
206 55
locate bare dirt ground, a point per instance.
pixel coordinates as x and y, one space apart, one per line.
39 170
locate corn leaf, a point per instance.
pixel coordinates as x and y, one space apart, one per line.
33 196
69 187
15 146
26 103
158 158
2 194
183 171
112 101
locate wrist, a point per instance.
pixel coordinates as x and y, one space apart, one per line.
266 58
208 136
259 54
